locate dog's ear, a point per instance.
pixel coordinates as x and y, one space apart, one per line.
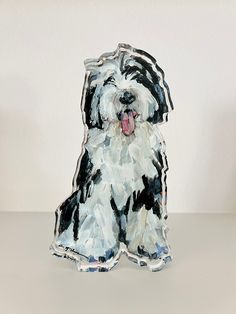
162 96
91 97
158 86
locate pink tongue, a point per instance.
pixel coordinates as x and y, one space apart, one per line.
127 123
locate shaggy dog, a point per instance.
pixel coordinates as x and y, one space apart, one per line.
118 202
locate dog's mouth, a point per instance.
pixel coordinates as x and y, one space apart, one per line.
127 121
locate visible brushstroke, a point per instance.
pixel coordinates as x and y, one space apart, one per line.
118 203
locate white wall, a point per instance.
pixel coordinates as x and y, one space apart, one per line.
42 48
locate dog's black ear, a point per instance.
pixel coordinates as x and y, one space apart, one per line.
165 105
92 117
157 85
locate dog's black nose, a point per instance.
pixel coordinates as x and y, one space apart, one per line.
127 98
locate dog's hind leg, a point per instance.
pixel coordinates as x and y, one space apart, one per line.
87 232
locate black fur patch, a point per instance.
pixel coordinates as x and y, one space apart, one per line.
85 170
118 214
88 106
76 223
152 187
67 209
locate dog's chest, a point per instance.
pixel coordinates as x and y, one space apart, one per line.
126 163
123 161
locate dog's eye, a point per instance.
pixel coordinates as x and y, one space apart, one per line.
133 72
109 80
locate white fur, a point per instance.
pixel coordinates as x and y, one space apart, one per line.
122 161
122 165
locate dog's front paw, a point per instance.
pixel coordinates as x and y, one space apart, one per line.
99 264
150 249
159 252
155 261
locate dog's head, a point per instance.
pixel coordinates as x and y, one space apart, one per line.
126 87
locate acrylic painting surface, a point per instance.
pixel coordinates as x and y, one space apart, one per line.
118 201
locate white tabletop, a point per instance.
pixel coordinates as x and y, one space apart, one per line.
200 280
